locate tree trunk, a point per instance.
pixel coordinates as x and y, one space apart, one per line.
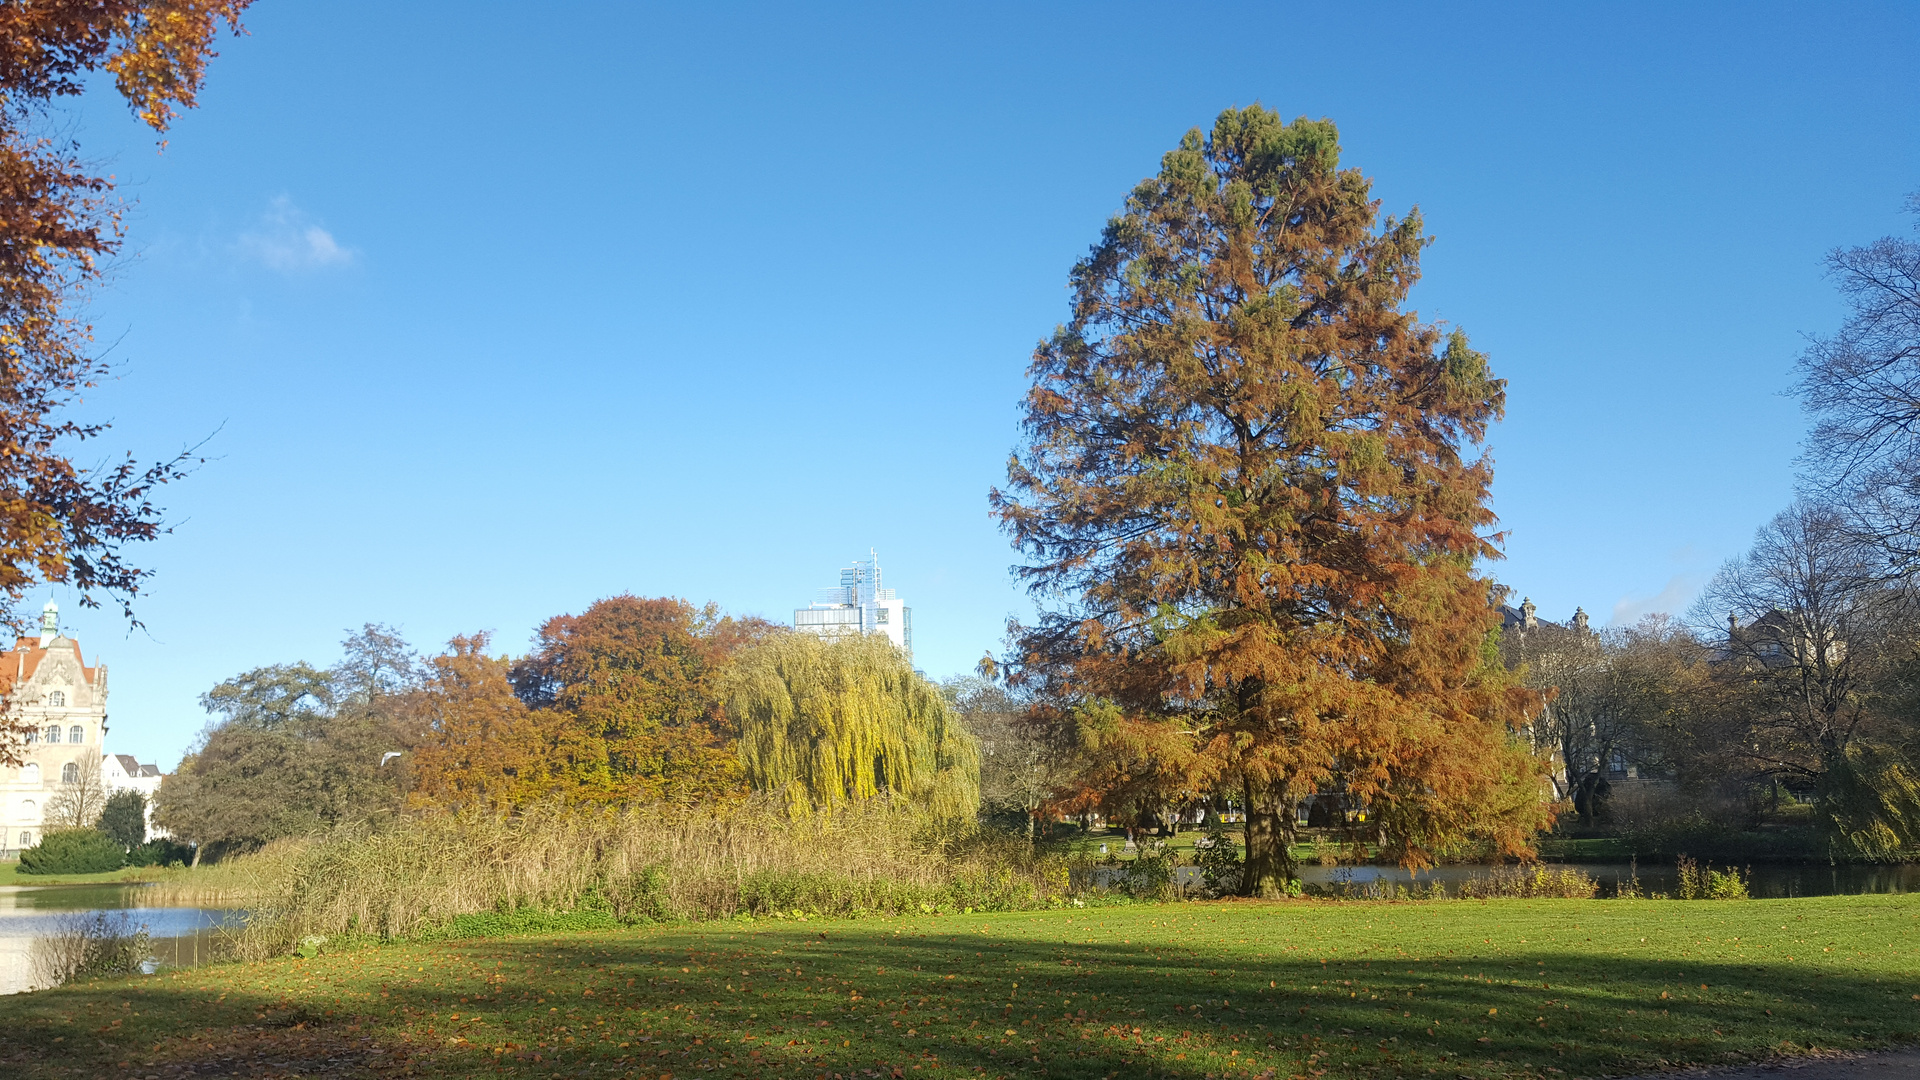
1269 831
196 857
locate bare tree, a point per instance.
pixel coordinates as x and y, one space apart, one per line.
82 794
1862 387
1607 690
1020 770
1815 641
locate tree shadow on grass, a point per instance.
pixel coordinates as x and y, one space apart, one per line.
860 1000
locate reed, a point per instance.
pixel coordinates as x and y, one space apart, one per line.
430 872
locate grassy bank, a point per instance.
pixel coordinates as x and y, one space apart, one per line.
1235 989
209 886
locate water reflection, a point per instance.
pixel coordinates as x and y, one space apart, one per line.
1766 881
178 936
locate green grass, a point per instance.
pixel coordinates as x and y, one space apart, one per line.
1505 988
10 875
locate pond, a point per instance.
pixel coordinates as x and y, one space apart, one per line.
178 936
1766 881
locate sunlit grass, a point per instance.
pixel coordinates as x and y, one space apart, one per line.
1502 988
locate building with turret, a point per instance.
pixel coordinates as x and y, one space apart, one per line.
56 706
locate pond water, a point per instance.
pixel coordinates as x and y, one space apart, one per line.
1766 881
177 936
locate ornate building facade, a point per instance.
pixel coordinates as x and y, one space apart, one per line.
61 703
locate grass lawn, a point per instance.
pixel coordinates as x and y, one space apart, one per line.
1236 989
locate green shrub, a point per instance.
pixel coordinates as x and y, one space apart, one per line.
490 924
73 851
160 853
1150 876
641 896
1219 862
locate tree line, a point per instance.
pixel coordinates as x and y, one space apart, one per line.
635 702
1794 679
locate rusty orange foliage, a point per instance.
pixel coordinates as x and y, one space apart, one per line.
59 522
1244 494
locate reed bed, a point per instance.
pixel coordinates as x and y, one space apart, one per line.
430 872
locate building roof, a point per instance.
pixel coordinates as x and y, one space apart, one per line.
18 664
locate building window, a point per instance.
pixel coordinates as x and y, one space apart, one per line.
30 774
53 732
26 839
57 699
69 773
33 735
76 734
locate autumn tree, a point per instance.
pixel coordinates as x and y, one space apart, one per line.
824 722
1248 511
482 748
58 221
627 692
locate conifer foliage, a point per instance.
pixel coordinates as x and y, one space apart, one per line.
828 722
1246 504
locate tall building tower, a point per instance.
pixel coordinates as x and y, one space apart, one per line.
858 605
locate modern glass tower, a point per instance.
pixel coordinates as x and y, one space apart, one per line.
859 606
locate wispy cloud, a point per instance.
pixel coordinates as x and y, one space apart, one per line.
287 240
1671 600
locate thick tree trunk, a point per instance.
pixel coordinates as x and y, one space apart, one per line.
196 856
1269 830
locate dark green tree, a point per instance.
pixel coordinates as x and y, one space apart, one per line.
125 818
296 749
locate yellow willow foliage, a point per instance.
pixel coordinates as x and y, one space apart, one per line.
826 722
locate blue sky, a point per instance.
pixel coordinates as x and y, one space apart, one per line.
495 314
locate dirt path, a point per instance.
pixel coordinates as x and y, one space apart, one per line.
1884 1065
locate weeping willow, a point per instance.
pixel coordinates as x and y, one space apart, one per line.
1872 799
825 722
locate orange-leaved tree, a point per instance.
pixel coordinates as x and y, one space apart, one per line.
59 522
482 747
628 698
1247 507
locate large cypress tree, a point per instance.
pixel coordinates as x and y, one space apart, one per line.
1248 508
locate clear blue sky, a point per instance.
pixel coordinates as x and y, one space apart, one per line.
501 308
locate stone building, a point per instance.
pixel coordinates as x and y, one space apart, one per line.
61 702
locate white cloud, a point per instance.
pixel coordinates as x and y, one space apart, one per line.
285 239
1672 600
